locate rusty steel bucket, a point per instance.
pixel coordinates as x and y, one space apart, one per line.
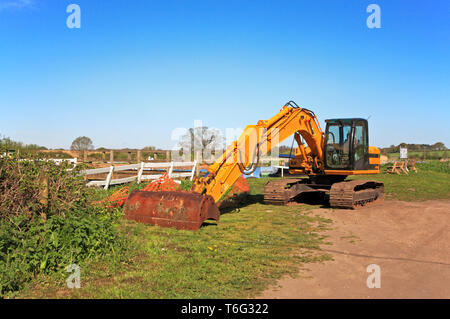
182 210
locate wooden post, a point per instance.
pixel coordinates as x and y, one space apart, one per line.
109 177
43 196
168 156
141 170
170 170
103 156
111 157
194 171
129 157
197 170
138 156
85 156
198 160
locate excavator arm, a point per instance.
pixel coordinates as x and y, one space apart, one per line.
242 156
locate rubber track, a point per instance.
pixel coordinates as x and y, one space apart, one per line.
354 194
275 192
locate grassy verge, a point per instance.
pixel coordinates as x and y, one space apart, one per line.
249 249
432 181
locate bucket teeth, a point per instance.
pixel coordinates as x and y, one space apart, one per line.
182 210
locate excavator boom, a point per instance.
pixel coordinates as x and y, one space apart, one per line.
242 156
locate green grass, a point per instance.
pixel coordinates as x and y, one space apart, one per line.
246 251
432 181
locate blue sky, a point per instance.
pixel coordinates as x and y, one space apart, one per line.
138 69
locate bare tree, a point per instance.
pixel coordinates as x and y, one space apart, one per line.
82 143
203 139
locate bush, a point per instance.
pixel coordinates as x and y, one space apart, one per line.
22 185
186 184
46 238
29 247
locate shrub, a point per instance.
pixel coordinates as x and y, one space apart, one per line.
22 184
29 247
72 231
186 184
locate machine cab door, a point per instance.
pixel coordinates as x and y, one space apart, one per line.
360 152
346 144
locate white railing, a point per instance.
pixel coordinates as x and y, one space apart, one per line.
57 161
140 169
282 168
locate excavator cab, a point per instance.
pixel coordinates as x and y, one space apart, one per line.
346 144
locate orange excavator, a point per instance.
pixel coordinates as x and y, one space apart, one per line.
326 158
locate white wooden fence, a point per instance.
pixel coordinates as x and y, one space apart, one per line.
57 161
140 169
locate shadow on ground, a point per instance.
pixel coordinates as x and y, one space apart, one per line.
246 200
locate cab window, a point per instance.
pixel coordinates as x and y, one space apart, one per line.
360 145
338 143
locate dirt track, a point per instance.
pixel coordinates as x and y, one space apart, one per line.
410 241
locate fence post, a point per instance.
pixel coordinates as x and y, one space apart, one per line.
141 170
197 158
168 159
129 157
194 170
111 157
85 156
170 169
108 178
138 156
43 195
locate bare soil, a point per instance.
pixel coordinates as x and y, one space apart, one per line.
410 241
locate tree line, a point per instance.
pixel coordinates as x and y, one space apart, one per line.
439 146
202 138
8 144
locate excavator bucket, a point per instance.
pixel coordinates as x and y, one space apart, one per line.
182 210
